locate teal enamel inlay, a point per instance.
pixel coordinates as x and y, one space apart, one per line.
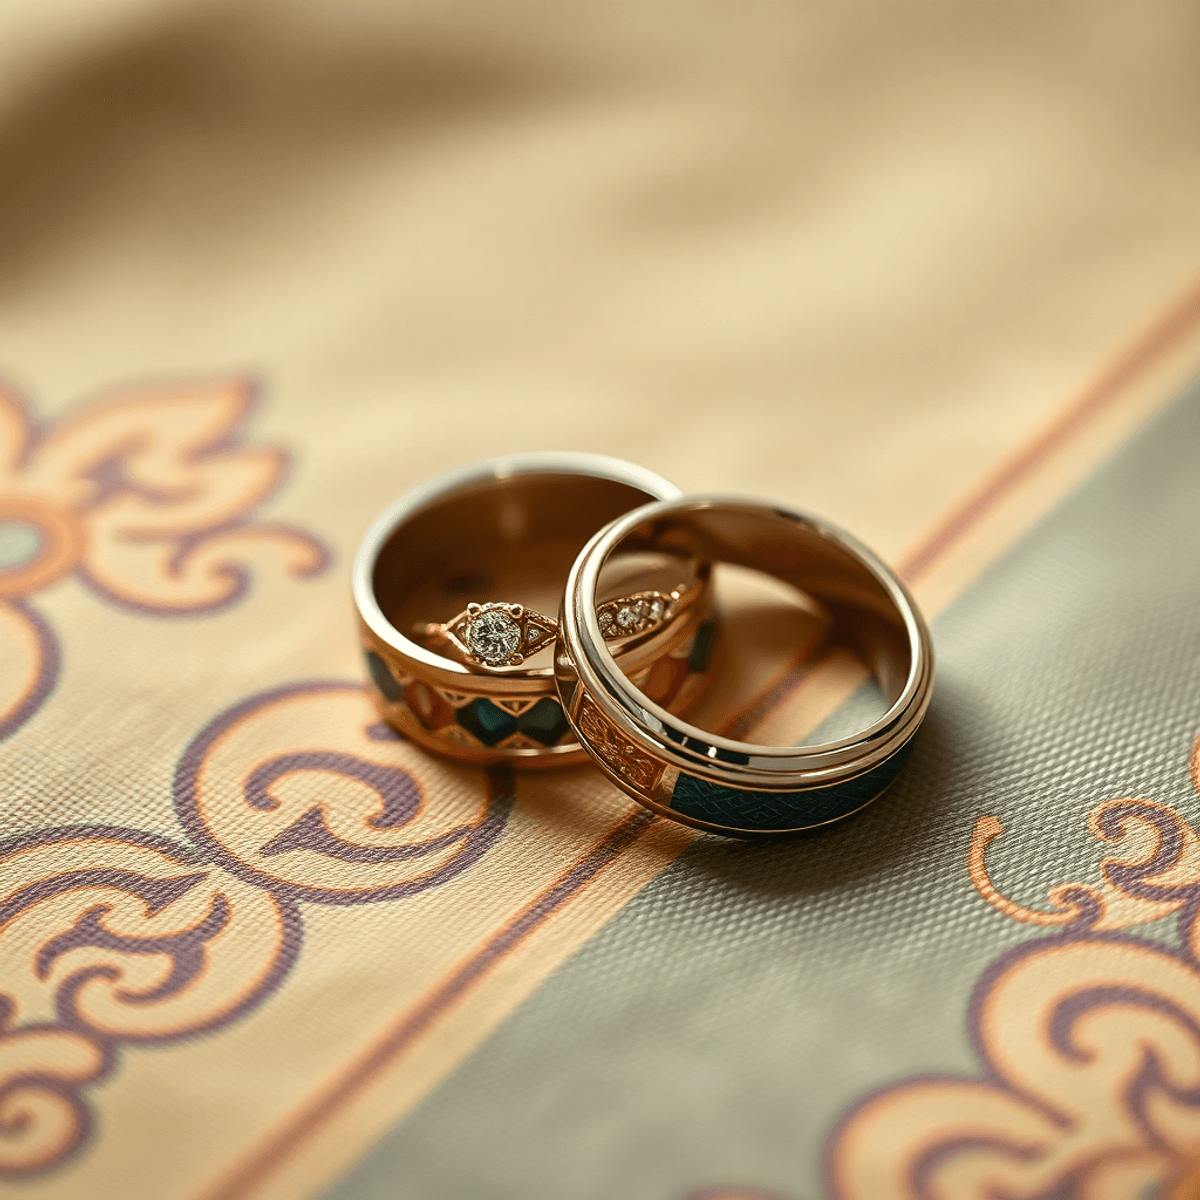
383 677
488 722
741 808
20 544
697 662
545 722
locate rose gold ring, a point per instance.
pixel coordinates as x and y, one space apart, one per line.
474 678
718 783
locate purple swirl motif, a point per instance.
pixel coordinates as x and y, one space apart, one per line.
184 950
184 435
1088 1042
1138 879
49 661
129 938
401 800
46 1117
308 836
45 1120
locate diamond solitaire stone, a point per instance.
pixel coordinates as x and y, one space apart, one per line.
494 637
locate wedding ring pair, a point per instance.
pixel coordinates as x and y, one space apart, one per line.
456 582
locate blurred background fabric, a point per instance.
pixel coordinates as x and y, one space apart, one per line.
718 240
263 266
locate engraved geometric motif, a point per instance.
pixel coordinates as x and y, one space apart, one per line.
617 751
518 741
458 735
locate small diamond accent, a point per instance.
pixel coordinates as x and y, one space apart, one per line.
533 633
626 617
494 637
656 610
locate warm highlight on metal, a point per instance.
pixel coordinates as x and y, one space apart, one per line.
464 685
712 782
497 635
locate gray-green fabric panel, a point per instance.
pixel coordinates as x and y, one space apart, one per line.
713 1032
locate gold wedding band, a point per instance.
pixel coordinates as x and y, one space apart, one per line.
717 783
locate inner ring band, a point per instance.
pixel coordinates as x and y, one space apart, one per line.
713 782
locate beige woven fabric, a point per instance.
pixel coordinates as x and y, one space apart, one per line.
714 241
855 259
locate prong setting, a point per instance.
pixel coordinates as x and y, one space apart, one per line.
497 634
631 616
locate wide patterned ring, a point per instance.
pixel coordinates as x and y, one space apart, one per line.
713 782
494 542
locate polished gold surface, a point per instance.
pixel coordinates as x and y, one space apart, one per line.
490 636
511 528
498 635
646 750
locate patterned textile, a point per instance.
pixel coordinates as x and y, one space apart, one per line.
988 984
267 265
